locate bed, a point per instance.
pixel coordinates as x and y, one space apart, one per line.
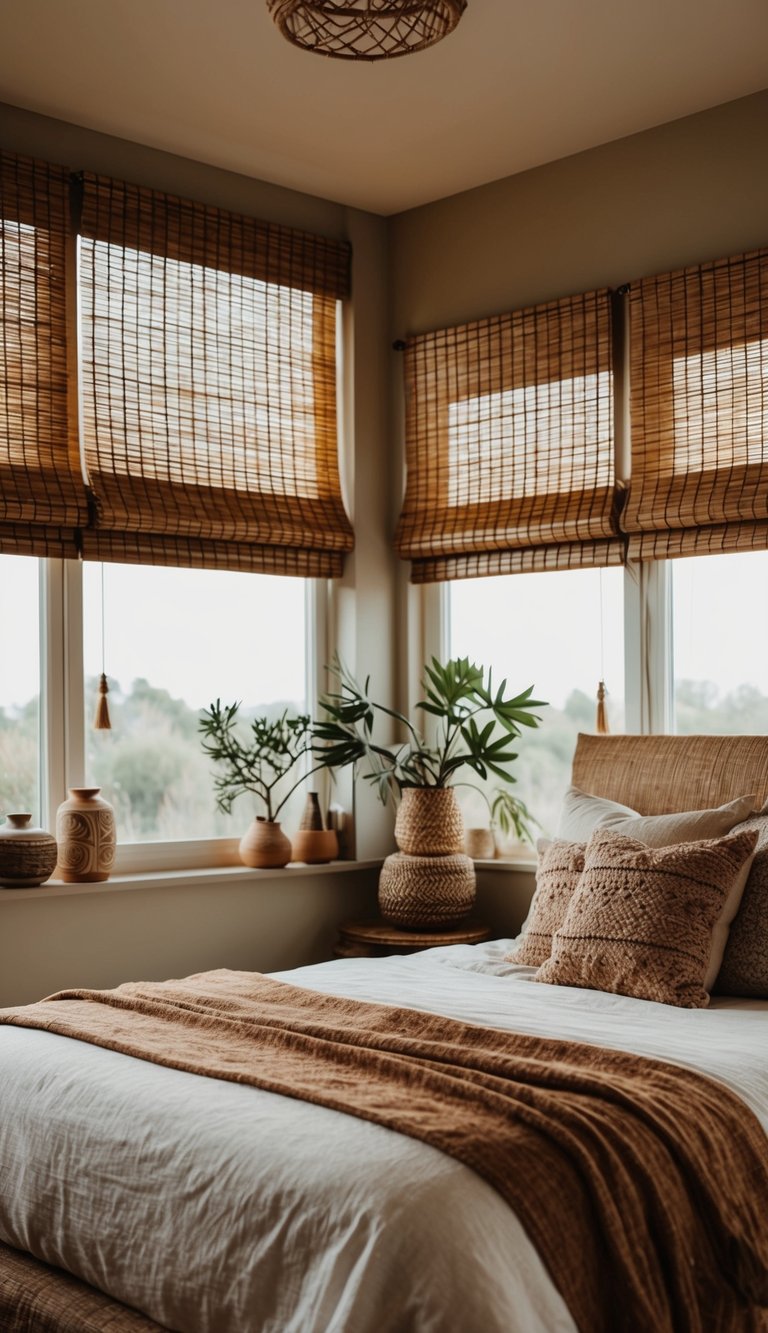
135 1196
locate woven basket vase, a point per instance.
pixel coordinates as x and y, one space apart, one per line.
429 822
426 892
429 883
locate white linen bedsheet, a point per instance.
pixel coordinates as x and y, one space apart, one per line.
218 1208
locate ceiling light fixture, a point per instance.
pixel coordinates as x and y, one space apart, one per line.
365 29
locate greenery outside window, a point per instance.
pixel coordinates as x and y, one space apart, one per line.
175 640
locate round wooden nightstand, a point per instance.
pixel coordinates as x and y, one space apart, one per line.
376 939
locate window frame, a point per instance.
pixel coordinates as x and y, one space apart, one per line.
63 720
648 656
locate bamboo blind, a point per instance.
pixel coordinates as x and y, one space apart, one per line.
42 494
208 386
509 444
699 402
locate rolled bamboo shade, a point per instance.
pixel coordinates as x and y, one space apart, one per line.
509 444
42 493
699 402
209 386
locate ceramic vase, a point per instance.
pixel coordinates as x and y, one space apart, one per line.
315 846
480 844
264 846
85 832
27 854
312 818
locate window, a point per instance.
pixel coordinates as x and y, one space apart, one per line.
20 686
521 462
174 640
544 630
720 640
205 465
714 665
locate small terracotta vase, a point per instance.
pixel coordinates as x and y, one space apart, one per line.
85 832
27 855
315 846
264 846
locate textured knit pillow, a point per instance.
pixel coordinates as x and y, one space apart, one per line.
745 961
641 918
558 873
582 813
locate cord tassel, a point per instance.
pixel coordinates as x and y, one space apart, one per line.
601 722
101 721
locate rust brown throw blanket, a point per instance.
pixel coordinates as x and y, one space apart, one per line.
643 1186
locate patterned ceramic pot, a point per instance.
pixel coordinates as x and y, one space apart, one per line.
85 832
27 855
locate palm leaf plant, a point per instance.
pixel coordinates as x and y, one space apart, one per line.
475 725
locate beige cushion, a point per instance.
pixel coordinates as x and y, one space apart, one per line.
745 961
581 814
558 873
641 918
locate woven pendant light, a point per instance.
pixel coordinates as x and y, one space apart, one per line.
365 29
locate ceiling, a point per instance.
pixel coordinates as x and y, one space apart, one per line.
519 83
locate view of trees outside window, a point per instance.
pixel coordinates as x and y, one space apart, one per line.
544 630
175 640
720 636
19 685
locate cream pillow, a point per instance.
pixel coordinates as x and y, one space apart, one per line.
640 920
581 814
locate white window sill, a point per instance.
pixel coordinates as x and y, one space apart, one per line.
526 864
161 879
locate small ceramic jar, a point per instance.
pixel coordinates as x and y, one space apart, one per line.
27 854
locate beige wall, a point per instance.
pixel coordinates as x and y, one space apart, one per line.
690 190
86 150
244 921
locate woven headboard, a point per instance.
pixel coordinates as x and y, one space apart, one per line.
658 774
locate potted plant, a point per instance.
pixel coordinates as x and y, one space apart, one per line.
474 725
459 695
510 815
261 766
